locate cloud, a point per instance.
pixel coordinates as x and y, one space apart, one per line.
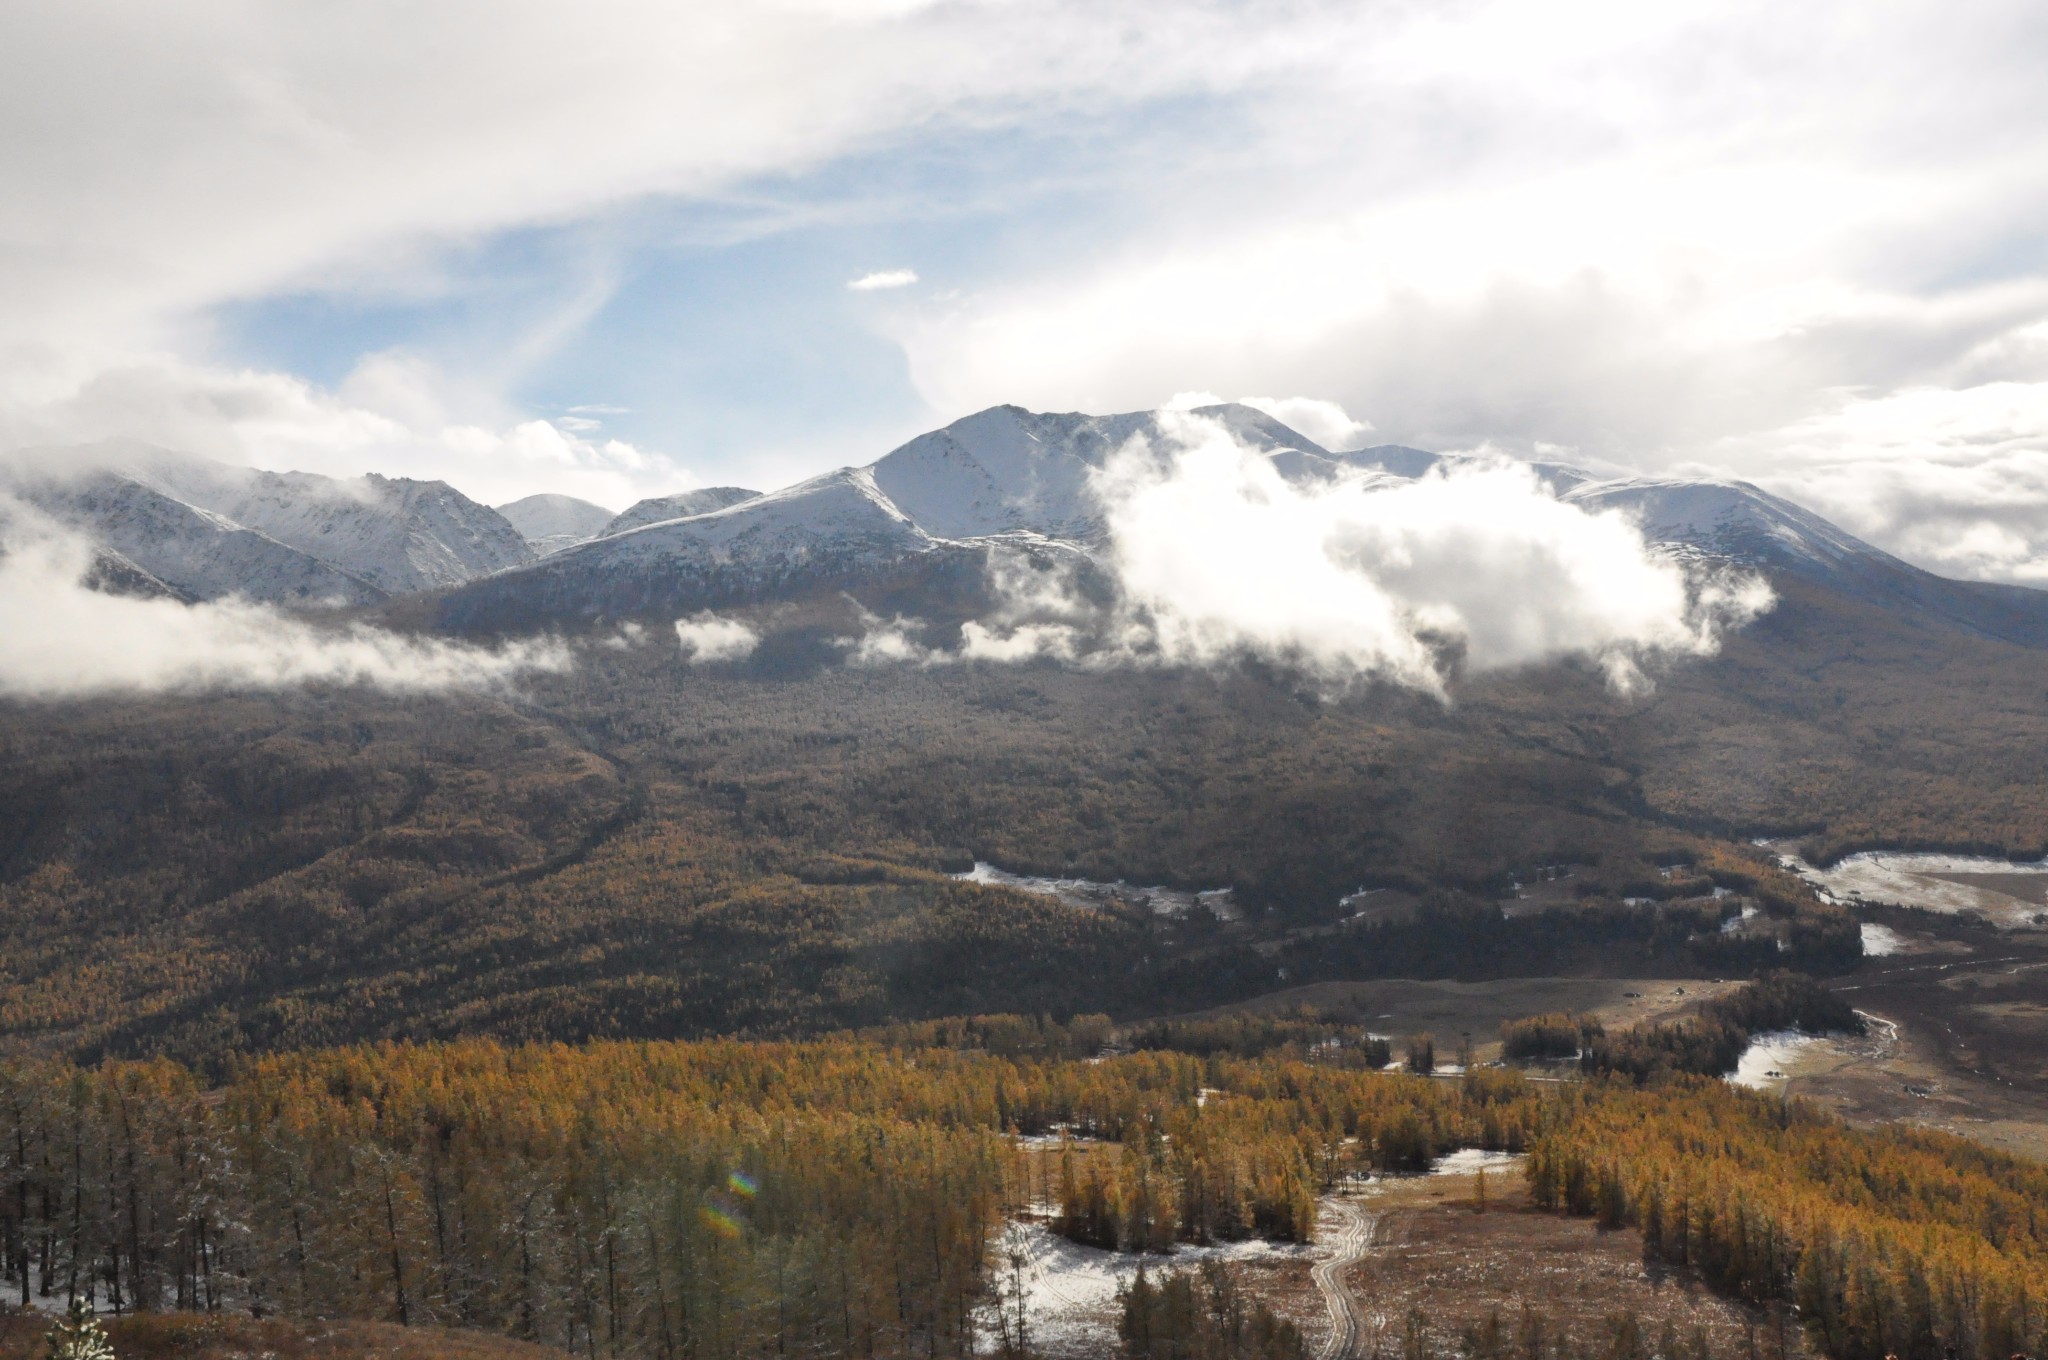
1323 421
396 413
1327 423
67 641
1656 235
1217 557
1955 480
707 637
883 278
891 642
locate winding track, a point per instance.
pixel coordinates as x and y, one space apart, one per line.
1348 1322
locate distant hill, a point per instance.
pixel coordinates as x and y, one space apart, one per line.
681 505
550 523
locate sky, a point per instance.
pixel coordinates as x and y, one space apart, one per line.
622 248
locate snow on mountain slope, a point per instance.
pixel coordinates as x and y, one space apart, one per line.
681 505
841 511
832 529
399 534
914 525
197 553
1733 520
550 523
939 500
1007 469
1739 523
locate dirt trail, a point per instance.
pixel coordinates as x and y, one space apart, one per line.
1349 1324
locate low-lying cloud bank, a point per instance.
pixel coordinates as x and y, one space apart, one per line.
1215 557
67 640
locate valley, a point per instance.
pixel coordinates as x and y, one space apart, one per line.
1109 964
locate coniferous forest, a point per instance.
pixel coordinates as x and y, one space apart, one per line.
725 1198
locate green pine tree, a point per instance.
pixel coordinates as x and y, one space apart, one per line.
79 1336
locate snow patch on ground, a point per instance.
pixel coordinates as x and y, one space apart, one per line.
1767 1062
1733 925
1914 880
1879 941
1090 895
1465 1161
1069 1291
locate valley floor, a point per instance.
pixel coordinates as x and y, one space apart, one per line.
1402 1253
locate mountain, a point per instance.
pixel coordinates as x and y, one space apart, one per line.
931 509
397 533
196 553
550 523
210 529
1735 522
1006 469
682 505
833 529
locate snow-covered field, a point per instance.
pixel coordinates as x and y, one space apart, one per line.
1069 1291
1087 893
1769 1060
1879 941
1926 881
1465 1161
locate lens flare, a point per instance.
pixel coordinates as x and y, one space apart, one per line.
740 1183
720 1222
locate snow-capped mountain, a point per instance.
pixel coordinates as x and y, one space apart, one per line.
932 509
1004 475
550 523
196 553
838 527
399 534
1008 478
208 529
1735 522
682 505
1008 469
917 525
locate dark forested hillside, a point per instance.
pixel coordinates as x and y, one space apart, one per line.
649 848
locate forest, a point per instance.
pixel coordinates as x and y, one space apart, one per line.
728 1198
644 850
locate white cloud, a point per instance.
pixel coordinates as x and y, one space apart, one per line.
1654 234
1323 421
883 278
395 414
1953 479
66 640
891 643
1216 556
707 637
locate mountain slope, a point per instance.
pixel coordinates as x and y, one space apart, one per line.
681 505
550 523
397 533
1742 524
198 554
835 528
1008 469
936 505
